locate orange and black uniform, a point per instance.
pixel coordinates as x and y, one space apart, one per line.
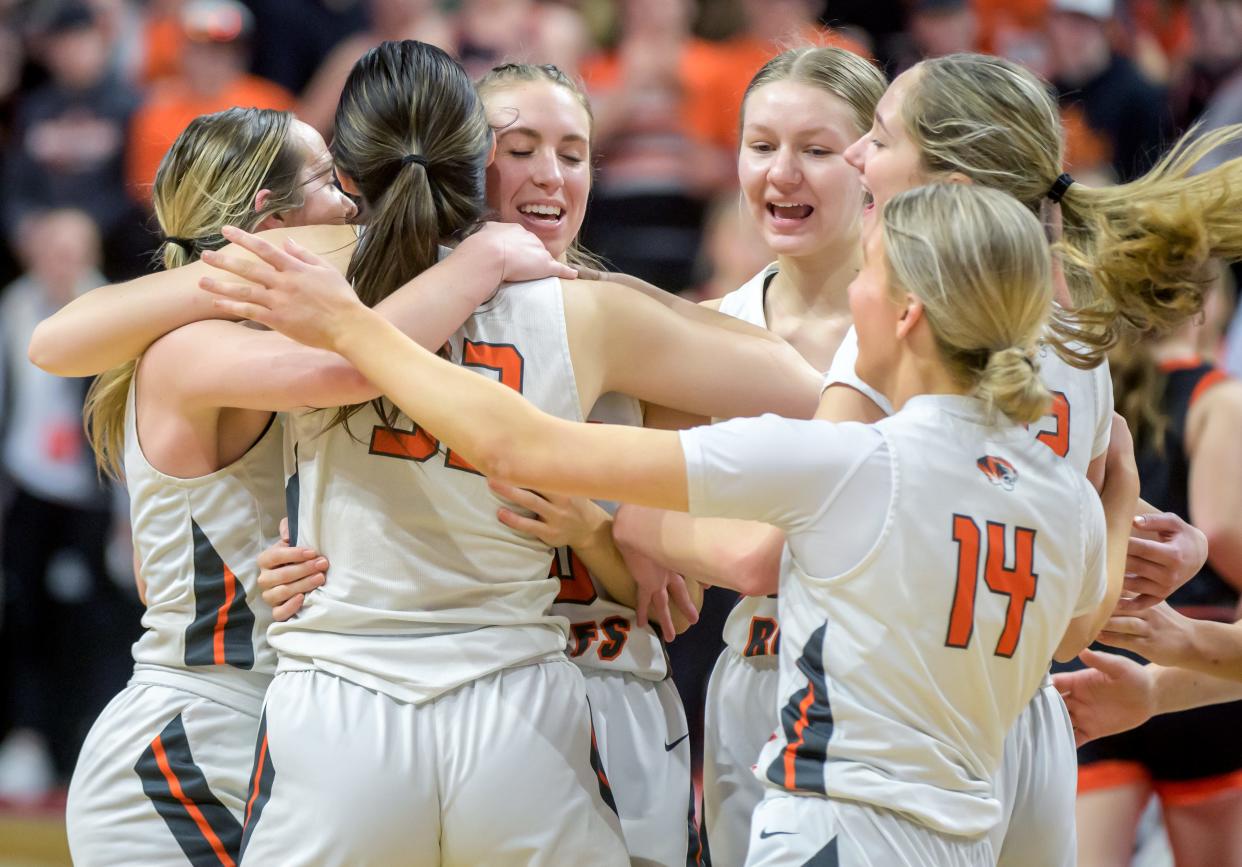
1195 754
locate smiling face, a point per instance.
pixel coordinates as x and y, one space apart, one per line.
802 194
886 156
541 176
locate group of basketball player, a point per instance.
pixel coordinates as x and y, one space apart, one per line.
415 414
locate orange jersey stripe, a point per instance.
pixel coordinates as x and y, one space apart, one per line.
174 785
222 616
791 750
258 772
1215 377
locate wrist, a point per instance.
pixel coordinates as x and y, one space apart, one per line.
351 328
482 266
596 534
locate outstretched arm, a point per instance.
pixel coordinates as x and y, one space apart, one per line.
112 324
1114 694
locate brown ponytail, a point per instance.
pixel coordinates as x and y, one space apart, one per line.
411 133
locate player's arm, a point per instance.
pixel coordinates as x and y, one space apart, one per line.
1162 635
741 555
1215 487
623 341
1114 694
112 324
213 364
706 312
1118 499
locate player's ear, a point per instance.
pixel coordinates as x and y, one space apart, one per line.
910 316
271 221
348 187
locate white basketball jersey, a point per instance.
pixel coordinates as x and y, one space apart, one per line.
1077 425
428 590
196 542
603 633
753 627
902 674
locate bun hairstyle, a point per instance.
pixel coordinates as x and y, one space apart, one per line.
979 263
208 179
411 133
1136 255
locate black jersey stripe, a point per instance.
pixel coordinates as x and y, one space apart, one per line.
222 632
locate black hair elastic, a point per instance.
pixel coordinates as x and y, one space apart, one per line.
187 244
414 158
1059 186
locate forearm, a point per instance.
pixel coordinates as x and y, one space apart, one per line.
740 555
1216 649
601 556
519 444
112 324
430 308
1178 689
689 309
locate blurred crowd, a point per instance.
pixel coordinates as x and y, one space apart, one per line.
92 93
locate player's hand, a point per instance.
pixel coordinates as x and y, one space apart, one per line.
558 521
287 574
1165 552
1112 695
1158 633
687 596
292 290
515 255
652 588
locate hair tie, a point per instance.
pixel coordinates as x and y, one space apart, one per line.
187 244
1059 186
414 158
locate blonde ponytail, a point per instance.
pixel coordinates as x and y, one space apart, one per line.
208 179
1135 255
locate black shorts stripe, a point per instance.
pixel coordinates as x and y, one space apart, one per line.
261 783
222 632
597 765
696 852
206 831
826 857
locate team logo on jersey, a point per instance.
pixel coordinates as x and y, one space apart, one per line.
998 470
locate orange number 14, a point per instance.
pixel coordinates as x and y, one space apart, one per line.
1018 582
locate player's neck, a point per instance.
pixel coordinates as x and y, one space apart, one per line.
919 373
813 285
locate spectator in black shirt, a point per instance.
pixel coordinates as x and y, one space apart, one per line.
68 141
1129 113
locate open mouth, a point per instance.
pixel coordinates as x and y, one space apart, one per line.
789 210
542 213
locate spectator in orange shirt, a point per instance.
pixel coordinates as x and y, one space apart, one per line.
213 77
657 164
771 26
